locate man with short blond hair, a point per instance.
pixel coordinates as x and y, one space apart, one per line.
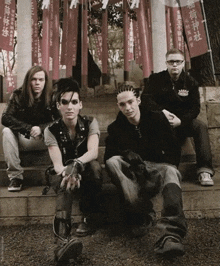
175 93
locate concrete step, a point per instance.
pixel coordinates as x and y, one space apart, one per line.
29 206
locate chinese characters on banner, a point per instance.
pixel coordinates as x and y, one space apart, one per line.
7 24
194 28
137 45
177 27
98 42
9 77
35 39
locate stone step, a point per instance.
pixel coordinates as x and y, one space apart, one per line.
30 206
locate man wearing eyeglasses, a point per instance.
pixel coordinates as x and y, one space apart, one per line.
73 142
175 93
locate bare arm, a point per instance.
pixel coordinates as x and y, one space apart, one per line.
56 157
92 146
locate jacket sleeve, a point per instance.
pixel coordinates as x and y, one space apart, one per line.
194 109
148 96
112 144
10 120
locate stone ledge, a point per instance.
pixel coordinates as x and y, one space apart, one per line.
29 206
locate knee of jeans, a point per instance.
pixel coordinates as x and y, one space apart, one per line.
7 132
172 175
113 163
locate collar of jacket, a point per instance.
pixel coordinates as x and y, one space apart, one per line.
181 78
122 119
80 126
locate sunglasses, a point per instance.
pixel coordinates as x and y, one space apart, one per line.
172 62
65 102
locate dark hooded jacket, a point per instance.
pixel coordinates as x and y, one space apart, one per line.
153 139
180 98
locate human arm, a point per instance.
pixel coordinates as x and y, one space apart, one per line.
192 107
12 116
149 94
92 147
172 118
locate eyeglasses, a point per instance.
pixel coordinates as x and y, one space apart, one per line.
172 62
65 102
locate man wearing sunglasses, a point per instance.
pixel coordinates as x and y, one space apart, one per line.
73 142
175 93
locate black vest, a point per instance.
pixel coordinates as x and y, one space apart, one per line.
72 149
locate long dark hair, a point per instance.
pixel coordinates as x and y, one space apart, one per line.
27 91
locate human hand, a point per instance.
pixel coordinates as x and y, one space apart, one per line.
71 181
175 122
168 114
35 132
132 157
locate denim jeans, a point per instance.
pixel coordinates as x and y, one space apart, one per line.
172 220
12 144
199 131
87 194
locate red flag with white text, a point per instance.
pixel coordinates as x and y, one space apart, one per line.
10 84
35 38
7 24
194 27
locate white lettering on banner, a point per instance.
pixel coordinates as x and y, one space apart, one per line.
45 4
73 4
135 4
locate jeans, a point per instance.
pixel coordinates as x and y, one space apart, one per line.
12 144
88 193
172 220
199 131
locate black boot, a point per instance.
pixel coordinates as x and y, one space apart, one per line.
67 248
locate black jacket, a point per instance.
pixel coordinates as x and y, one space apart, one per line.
157 143
20 118
181 98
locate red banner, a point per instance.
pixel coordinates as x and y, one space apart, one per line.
177 27
51 18
137 46
9 77
98 42
35 38
7 24
64 33
194 28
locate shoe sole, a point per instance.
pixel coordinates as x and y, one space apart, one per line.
171 252
14 189
71 251
206 184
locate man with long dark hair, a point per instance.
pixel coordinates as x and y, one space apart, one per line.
25 118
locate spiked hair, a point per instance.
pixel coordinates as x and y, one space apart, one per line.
127 87
65 85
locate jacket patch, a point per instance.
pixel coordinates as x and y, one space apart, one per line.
183 93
